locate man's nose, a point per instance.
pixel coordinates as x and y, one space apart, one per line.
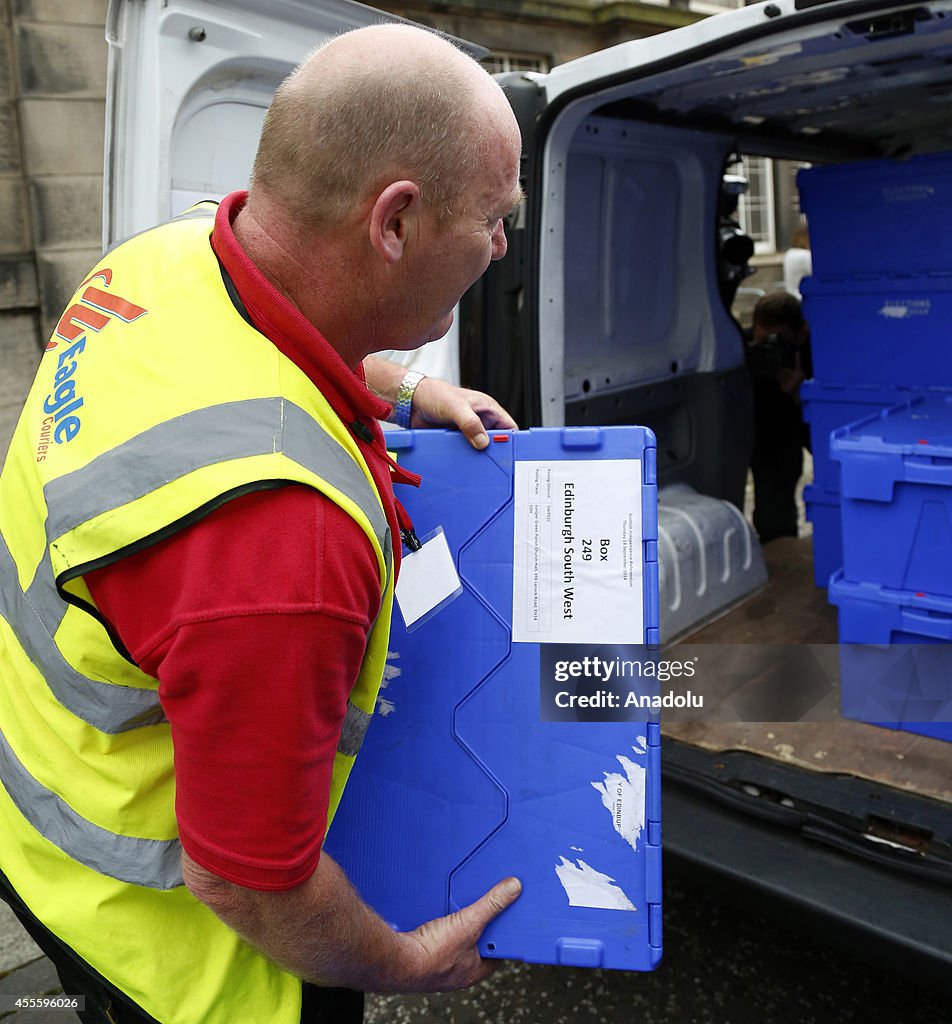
500 242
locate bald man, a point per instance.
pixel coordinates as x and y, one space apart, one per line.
198 526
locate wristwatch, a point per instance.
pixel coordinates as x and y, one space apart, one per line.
404 404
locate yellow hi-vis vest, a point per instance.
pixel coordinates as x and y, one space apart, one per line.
154 403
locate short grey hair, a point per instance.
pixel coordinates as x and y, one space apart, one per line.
330 139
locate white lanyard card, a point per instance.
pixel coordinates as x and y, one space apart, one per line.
428 580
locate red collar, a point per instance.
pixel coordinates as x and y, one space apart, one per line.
286 327
291 333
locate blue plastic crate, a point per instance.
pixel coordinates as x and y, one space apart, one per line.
885 331
823 511
827 407
880 216
896 496
459 782
895 657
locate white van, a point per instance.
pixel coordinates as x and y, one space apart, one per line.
609 309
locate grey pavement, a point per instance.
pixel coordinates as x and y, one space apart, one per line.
24 971
722 965
16 947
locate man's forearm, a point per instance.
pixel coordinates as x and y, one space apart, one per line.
323 931
320 931
383 377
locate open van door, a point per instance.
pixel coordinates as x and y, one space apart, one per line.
187 89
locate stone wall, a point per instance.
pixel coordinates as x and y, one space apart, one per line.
52 111
560 30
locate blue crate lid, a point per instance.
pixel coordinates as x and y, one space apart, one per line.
460 783
876 171
895 288
909 442
829 392
843 591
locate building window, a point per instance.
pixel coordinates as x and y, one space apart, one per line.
713 6
756 209
509 60
792 168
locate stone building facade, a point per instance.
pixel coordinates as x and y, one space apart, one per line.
52 106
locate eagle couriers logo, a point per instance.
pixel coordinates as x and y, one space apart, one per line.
95 311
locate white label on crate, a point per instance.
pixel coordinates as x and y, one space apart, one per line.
896 309
624 798
907 193
586 887
577 559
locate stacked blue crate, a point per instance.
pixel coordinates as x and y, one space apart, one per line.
895 657
823 511
895 587
878 304
462 780
883 331
827 407
875 218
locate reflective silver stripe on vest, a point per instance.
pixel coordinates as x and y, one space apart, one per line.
155 863
356 722
235 430
132 470
34 617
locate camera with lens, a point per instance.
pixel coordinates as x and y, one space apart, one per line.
770 354
735 248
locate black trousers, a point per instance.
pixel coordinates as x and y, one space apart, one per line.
776 473
106 1004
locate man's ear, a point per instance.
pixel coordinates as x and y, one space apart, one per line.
390 219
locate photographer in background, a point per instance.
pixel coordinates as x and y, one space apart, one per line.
778 357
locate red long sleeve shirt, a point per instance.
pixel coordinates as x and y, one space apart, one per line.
255 620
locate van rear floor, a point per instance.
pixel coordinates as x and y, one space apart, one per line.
790 609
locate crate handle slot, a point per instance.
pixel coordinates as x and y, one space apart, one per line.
935 624
920 472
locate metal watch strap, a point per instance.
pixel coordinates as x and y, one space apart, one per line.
404 404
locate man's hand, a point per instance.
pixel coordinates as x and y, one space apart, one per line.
437 403
323 931
450 959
